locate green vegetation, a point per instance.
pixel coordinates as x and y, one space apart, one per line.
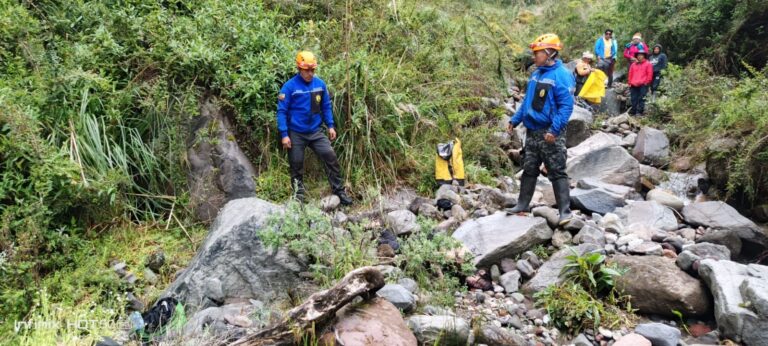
588 298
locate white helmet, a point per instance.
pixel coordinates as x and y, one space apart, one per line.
588 55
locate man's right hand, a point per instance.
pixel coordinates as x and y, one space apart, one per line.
510 128
286 143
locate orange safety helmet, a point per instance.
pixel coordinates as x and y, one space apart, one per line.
546 41
306 60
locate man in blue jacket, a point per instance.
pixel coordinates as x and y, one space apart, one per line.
545 111
605 51
303 105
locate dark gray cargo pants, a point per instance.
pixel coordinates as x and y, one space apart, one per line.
320 144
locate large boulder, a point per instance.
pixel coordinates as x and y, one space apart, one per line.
597 141
549 273
657 286
610 164
648 213
218 170
579 126
439 330
696 252
651 147
375 322
497 236
734 286
595 196
720 215
232 263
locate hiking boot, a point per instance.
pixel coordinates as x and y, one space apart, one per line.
527 187
562 191
345 200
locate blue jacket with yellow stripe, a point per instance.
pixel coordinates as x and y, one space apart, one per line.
302 106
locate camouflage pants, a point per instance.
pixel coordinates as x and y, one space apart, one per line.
537 150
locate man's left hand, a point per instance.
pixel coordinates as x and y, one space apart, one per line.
549 138
332 134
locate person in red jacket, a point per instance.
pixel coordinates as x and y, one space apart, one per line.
640 77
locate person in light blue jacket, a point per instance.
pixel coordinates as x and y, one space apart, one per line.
605 51
545 112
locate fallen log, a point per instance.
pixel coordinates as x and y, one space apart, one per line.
319 309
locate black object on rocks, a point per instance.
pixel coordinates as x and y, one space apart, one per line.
387 237
444 204
159 314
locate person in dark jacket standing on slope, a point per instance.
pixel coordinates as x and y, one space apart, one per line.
545 111
659 61
303 104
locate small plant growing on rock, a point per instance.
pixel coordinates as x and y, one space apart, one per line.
588 298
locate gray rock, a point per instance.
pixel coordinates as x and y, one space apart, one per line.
510 281
548 213
716 214
439 330
508 265
649 213
594 196
647 248
532 258
399 296
329 203
629 140
233 254
694 252
402 222
581 340
610 104
525 268
549 273
134 303
611 223
458 213
499 235
150 276
735 319
755 291
610 164
218 170
215 319
409 284
597 141
651 147
657 286
579 127
726 238
430 211
495 273
659 334
492 335
448 192
665 198
417 202
438 311
561 239
590 234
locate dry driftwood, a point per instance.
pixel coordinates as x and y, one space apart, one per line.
318 309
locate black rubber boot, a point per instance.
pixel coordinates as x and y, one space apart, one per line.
527 187
345 200
562 191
